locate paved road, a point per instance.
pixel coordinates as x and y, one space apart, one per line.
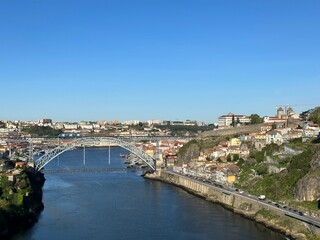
271 205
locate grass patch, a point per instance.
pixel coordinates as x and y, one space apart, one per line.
308 205
310 236
267 214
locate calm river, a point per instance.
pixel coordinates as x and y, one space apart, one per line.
123 205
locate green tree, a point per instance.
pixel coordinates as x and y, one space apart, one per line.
235 157
256 119
42 131
233 123
229 158
315 115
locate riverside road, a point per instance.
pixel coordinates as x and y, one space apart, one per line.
282 210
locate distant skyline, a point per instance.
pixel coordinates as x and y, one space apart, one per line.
76 60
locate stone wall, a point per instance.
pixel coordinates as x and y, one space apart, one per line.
232 131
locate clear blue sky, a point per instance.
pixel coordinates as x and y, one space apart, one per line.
73 60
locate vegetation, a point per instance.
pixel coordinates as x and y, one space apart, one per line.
256 119
20 200
315 115
267 214
42 131
311 115
313 206
277 186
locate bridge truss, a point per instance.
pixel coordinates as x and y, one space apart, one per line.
94 141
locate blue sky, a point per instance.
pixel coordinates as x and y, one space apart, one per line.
73 60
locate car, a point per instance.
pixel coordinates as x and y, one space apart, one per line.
240 191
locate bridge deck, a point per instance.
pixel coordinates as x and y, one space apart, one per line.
48 171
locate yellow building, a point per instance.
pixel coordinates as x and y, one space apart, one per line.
231 178
150 152
235 142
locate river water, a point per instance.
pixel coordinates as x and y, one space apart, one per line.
123 205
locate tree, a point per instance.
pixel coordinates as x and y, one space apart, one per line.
256 119
235 157
233 123
315 115
42 131
305 115
229 158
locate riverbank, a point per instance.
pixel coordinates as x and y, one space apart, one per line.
20 202
248 208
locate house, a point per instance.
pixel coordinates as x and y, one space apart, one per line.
312 126
245 137
231 178
295 133
261 137
234 150
235 142
20 164
11 177
266 127
274 137
150 150
310 133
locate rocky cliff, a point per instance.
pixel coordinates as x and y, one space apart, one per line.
308 187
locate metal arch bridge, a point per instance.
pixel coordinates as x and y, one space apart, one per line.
79 142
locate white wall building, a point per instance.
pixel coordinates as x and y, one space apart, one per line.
226 120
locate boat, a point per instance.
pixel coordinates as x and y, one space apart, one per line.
123 155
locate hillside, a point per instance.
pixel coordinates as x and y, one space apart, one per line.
288 174
20 201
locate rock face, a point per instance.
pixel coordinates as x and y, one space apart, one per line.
191 152
308 187
273 169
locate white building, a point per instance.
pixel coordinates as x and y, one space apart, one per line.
131 122
154 122
226 120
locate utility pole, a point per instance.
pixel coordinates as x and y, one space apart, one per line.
109 155
84 155
58 155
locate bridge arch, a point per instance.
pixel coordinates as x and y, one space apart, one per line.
41 162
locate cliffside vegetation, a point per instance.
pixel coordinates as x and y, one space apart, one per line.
278 174
20 200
